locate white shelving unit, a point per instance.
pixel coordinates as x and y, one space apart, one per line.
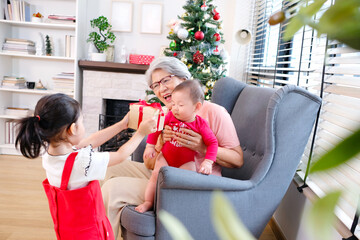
35 68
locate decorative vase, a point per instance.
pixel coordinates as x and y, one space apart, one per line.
99 57
110 53
36 19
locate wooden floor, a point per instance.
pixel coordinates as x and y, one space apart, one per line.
24 212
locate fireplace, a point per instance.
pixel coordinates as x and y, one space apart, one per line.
115 110
105 89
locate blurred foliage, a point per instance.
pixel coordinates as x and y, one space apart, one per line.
340 21
321 217
227 224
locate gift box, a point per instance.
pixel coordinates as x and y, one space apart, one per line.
141 59
142 110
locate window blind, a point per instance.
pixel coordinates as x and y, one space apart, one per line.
326 68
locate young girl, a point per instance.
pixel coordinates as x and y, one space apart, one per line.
187 99
71 186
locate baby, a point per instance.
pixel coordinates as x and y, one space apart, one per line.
187 99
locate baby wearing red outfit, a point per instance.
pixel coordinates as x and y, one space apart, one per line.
187 99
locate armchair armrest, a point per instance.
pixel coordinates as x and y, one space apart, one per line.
175 178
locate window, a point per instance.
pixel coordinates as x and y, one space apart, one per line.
326 68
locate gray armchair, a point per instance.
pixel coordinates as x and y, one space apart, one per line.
273 127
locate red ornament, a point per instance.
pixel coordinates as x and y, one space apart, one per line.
175 54
199 35
198 57
217 37
216 51
216 16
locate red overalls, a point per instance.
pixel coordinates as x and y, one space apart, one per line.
77 214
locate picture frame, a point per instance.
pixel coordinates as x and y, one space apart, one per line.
151 18
121 15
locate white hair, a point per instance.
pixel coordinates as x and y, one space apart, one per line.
171 65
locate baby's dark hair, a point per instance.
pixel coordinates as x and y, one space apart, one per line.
53 113
194 88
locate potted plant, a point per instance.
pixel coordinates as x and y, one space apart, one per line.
101 38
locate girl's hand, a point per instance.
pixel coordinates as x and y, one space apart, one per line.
206 167
168 133
147 126
125 121
190 139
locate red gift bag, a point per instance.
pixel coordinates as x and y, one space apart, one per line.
80 213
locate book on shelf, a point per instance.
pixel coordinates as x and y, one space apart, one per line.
19 41
64 82
13 78
19 112
70 46
6 9
15 45
17 10
62 17
11 130
13 82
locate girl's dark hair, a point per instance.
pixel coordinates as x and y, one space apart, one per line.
194 88
53 113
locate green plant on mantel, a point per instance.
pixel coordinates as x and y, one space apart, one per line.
340 22
102 37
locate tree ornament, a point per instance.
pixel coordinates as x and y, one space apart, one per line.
199 35
182 34
216 17
191 33
214 12
216 51
177 28
173 46
217 37
198 57
204 7
223 54
175 54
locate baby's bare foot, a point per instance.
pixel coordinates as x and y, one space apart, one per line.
144 207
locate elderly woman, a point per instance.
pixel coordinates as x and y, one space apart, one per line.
127 181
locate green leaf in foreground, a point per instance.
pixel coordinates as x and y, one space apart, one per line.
303 17
175 228
344 151
321 217
227 224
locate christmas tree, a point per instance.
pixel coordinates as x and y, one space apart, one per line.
197 41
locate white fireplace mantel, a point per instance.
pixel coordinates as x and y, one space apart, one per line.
109 81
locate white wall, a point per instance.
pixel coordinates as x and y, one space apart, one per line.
140 43
239 53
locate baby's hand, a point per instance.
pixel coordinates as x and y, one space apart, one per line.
147 126
149 152
206 167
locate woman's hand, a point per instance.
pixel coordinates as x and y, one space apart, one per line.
190 139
